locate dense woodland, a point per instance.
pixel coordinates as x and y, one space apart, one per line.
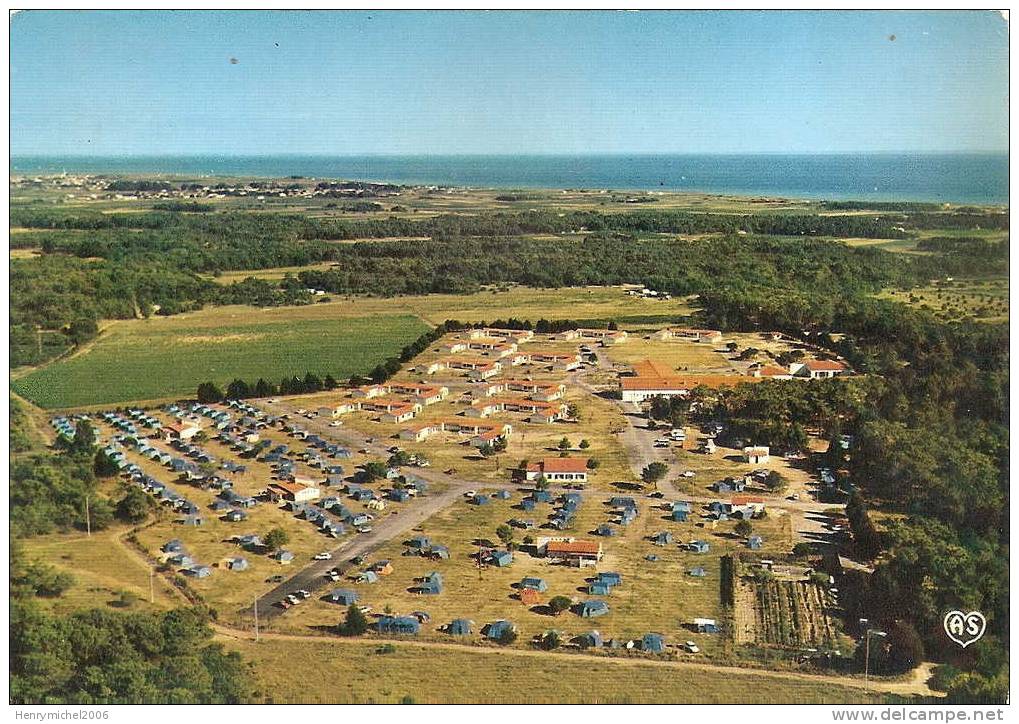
928 419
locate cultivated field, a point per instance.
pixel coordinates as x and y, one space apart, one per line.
168 357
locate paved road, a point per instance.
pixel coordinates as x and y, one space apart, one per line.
385 528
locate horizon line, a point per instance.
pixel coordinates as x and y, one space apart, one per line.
561 154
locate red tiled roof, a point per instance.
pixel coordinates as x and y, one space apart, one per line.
564 465
577 546
824 365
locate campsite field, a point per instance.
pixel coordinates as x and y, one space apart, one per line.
168 357
359 672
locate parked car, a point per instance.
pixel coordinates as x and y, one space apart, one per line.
274 579
335 423
324 556
691 647
364 529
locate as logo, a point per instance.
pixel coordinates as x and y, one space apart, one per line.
965 628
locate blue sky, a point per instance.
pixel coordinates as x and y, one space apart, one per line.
112 83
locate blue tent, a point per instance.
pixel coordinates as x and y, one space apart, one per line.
501 494
501 558
599 589
592 608
697 572
459 627
480 500
527 504
419 541
398 625
496 629
343 596
698 546
237 564
368 577
609 578
399 496
591 639
680 516
663 538
653 642
755 542
542 496
538 584
605 530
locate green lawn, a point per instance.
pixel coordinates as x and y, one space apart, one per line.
166 357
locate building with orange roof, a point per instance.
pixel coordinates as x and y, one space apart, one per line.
574 552
558 470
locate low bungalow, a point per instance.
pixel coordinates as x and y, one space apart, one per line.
401 413
558 470
292 491
574 552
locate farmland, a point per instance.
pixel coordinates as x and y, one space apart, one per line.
984 300
168 357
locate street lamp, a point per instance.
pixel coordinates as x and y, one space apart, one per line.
866 646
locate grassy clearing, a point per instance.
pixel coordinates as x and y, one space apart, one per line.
102 567
349 672
984 300
163 357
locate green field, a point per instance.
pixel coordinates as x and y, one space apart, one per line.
168 357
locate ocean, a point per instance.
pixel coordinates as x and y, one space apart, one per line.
959 178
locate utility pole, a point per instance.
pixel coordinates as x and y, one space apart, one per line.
152 586
256 620
88 519
866 646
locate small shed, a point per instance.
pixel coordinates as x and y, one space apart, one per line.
593 608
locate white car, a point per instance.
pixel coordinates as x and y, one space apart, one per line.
691 647
301 411
689 474
470 493
323 556
335 423
364 529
